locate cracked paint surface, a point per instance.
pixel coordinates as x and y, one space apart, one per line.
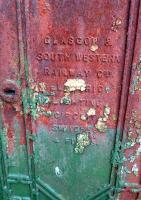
101 123
82 142
39 100
63 76
75 84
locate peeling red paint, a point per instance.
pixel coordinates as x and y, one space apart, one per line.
63 58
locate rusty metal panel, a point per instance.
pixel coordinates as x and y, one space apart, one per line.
130 170
65 74
13 151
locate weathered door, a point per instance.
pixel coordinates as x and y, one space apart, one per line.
70 123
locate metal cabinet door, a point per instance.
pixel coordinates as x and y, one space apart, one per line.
130 147
14 170
65 73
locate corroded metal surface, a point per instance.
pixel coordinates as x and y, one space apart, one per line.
69 129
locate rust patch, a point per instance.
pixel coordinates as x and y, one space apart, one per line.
101 125
116 24
82 142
